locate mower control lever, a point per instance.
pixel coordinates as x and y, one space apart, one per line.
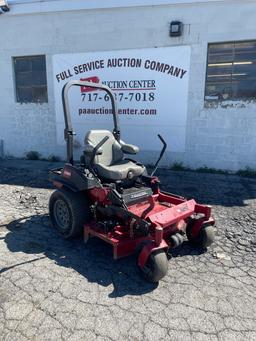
100 144
161 154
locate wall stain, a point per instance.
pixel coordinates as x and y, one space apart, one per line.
218 104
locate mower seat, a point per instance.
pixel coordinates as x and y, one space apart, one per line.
109 161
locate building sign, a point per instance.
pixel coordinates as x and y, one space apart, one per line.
150 87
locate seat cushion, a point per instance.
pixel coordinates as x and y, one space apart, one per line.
120 170
111 149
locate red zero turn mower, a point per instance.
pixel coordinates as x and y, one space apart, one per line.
114 198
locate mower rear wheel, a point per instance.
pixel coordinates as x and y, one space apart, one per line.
69 211
204 238
156 267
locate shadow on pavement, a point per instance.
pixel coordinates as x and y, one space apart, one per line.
212 189
27 173
26 178
34 235
186 249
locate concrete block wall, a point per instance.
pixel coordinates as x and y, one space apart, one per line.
220 136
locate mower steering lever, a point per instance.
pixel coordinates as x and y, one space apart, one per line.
161 154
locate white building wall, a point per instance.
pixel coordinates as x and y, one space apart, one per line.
222 136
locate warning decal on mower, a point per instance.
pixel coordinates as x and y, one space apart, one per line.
150 87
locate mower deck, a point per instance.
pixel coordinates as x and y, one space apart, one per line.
166 212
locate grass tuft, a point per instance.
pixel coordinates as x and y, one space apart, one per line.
179 167
54 158
247 172
33 155
210 170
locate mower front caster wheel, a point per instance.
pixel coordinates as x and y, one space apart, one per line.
68 211
204 238
156 267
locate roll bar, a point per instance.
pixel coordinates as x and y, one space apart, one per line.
68 131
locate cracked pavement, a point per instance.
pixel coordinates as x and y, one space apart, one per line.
54 289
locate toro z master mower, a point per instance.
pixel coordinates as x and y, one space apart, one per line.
116 200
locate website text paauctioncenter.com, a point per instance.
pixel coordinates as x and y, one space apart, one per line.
106 111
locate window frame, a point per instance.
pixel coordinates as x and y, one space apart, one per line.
31 86
233 99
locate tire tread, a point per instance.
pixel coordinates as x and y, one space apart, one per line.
79 208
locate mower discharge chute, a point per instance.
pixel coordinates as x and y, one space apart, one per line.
113 198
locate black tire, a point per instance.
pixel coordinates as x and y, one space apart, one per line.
204 238
156 267
69 211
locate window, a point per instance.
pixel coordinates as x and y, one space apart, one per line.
30 79
231 71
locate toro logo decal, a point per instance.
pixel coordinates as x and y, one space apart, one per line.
89 79
67 173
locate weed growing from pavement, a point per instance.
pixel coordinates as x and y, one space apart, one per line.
211 170
179 167
247 172
53 158
33 155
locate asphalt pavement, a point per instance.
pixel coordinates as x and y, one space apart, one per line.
54 289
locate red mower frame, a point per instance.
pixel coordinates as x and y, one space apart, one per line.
133 216
165 224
